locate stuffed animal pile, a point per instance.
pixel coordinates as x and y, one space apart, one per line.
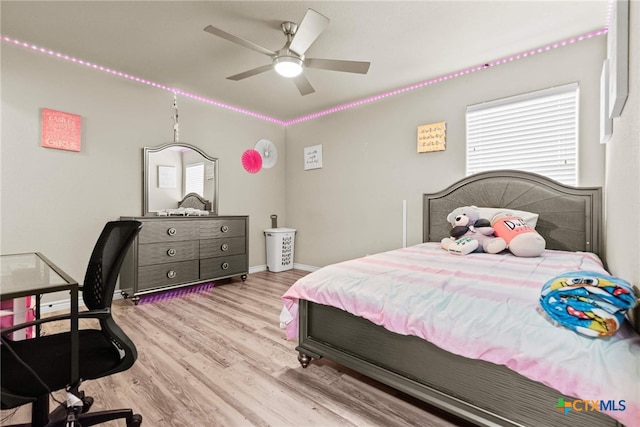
470 233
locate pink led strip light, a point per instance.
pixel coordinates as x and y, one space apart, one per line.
324 112
449 76
139 80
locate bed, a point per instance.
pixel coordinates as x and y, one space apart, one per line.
484 388
195 201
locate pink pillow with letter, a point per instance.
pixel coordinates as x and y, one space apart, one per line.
522 240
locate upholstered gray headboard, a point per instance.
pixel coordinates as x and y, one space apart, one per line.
570 218
194 200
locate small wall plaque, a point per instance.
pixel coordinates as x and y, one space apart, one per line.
432 137
313 157
61 130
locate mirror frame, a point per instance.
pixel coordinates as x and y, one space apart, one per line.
145 172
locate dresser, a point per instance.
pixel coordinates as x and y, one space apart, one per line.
172 252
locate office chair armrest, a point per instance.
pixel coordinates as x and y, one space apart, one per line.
89 314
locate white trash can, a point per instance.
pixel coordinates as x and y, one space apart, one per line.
280 245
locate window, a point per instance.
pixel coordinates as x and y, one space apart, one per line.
194 179
535 132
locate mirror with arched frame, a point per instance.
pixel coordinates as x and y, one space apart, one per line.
173 171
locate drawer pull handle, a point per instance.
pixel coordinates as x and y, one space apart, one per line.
224 247
171 274
225 265
172 231
224 228
171 252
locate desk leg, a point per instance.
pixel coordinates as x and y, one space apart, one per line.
38 301
75 345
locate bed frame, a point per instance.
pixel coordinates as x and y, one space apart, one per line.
481 392
194 200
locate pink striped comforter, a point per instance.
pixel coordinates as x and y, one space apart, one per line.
481 306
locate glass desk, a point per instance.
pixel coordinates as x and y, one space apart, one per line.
28 274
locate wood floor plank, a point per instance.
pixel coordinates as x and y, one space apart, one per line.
284 404
218 358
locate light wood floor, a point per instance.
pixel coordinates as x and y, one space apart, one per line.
218 358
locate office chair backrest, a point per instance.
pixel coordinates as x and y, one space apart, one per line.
105 262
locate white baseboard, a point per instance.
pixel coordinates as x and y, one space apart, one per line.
305 267
65 305
257 268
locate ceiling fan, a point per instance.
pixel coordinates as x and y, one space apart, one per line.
290 60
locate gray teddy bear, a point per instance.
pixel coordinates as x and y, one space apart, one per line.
470 233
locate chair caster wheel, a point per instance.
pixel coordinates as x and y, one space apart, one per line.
86 403
136 420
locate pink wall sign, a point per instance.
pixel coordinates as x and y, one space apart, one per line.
61 130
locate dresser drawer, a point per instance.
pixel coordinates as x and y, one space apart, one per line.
220 228
168 231
223 266
160 253
156 276
210 248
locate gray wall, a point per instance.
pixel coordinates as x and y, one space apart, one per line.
622 196
353 205
56 202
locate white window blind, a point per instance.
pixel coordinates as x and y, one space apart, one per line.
194 179
535 132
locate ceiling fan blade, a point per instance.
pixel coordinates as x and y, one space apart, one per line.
242 42
303 84
251 72
338 65
312 25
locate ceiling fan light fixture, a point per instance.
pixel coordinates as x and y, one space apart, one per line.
288 66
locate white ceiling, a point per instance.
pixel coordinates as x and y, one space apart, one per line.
407 42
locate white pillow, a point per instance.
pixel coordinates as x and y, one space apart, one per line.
530 218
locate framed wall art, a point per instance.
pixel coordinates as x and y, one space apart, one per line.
61 130
618 55
432 137
606 122
167 177
313 157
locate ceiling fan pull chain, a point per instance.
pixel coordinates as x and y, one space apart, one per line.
175 118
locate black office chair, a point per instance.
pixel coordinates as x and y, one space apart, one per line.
32 368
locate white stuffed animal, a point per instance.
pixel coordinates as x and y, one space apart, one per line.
522 240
